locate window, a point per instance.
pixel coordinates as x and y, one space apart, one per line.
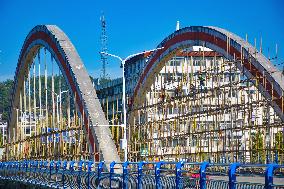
174 63
28 131
175 142
196 63
170 110
194 140
233 93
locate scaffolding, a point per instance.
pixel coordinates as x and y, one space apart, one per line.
201 107
49 125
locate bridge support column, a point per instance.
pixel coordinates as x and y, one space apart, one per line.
269 175
51 165
202 181
111 172
157 175
100 169
125 174
89 173
179 182
232 175
140 174
63 174
79 182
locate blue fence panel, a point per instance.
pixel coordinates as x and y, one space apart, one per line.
179 184
278 177
88 174
190 175
232 175
251 176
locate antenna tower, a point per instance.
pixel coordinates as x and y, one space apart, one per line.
103 47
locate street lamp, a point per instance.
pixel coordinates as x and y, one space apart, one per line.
124 142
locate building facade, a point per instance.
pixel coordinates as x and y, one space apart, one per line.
110 95
3 130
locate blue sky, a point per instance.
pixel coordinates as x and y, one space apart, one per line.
133 26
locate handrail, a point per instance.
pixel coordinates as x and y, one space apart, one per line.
159 174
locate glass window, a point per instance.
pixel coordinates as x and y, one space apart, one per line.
196 62
28 131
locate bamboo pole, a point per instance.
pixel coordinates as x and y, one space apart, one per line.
34 108
40 129
113 123
46 106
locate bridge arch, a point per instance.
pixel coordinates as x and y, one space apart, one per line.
62 50
252 62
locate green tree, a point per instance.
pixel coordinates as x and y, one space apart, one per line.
279 143
1 141
6 88
5 91
257 147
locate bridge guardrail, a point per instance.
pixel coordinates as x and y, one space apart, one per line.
88 174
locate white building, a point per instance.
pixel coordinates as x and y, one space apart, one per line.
3 130
211 83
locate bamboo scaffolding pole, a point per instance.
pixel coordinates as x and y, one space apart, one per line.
40 117
46 106
113 123
117 122
34 108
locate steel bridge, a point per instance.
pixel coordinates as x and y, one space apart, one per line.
211 118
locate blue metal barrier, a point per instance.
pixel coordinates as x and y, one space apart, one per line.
179 166
88 174
157 174
111 173
125 174
202 181
232 175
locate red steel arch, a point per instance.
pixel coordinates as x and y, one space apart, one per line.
231 46
72 68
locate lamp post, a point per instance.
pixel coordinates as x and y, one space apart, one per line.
123 61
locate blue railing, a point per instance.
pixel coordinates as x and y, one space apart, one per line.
87 174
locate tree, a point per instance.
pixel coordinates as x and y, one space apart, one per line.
257 147
6 88
5 91
279 143
1 141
